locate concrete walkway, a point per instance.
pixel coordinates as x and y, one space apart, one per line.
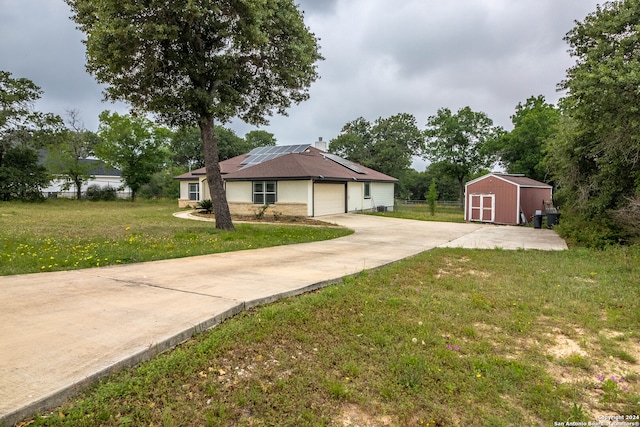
61 331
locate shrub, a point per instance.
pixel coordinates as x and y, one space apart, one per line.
597 233
205 206
96 192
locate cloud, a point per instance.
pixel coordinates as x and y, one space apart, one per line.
383 57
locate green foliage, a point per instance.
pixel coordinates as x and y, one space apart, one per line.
387 145
162 184
457 142
432 197
133 145
67 153
206 206
186 148
590 232
19 124
195 62
229 144
259 138
523 149
595 157
301 361
259 214
65 234
21 177
16 97
97 193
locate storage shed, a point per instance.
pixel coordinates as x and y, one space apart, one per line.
505 198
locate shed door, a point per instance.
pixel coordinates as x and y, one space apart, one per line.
482 207
328 199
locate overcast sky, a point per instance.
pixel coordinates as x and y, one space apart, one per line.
383 57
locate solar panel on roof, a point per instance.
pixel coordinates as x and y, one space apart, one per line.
346 163
262 154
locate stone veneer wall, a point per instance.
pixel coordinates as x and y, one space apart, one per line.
285 209
186 203
238 208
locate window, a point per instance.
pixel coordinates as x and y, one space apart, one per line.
194 191
367 190
264 192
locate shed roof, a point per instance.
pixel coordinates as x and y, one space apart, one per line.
310 164
516 179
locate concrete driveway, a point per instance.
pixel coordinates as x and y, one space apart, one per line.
61 331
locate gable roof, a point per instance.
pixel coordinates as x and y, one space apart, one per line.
516 179
309 164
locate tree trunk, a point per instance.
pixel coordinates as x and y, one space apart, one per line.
214 177
461 191
78 183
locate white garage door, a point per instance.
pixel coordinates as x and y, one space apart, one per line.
328 199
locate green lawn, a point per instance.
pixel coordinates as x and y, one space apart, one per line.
68 234
420 211
449 337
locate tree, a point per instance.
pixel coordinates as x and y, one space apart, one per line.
133 145
387 145
432 197
457 141
193 62
259 138
596 155
523 149
230 145
21 176
186 148
19 123
22 131
68 155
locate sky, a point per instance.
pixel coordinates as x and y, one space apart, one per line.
382 57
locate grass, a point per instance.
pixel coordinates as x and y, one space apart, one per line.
420 211
449 337
67 234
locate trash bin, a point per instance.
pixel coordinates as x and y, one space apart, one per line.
553 218
537 219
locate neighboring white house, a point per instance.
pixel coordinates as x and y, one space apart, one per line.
101 175
297 180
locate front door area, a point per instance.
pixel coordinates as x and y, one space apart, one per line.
482 207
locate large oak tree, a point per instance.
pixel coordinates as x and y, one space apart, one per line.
596 155
386 145
456 141
195 61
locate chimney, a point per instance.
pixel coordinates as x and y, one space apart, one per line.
321 145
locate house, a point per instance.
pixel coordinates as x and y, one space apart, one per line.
101 175
505 198
295 180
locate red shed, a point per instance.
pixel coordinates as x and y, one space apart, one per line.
504 198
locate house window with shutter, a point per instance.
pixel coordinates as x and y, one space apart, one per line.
264 192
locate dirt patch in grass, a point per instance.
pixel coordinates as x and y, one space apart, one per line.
352 415
577 358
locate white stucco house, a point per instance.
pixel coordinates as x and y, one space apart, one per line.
297 180
101 175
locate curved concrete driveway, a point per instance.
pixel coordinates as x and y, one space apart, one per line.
60 331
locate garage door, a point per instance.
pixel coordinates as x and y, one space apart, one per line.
482 207
328 199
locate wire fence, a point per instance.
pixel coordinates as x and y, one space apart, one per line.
453 203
